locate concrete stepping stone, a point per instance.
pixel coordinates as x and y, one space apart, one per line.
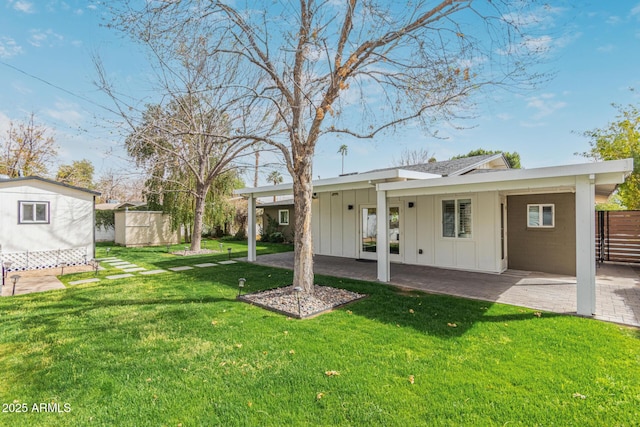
119 276
153 272
107 259
80 282
117 263
182 268
123 266
206 264
226 262
132 270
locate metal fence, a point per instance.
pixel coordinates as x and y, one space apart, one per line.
618 236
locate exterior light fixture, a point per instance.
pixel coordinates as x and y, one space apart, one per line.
241 282
229 250
15 279
96 265
297 290
108 250
62 266
220 246
6 266
185 249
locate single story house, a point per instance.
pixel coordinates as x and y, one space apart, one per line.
44 223
471 214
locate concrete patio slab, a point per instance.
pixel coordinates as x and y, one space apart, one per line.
617 286
31 284
226 262
206 264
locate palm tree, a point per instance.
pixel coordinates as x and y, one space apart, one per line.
343 150
275 178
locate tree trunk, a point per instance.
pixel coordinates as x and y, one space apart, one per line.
303 240
255 176
196 235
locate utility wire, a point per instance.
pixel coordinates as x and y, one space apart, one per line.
48 83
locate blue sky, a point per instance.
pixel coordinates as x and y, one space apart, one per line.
46 49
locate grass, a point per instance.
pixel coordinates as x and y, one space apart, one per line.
178 349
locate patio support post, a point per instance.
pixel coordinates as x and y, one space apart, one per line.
382 239
251 232
585 245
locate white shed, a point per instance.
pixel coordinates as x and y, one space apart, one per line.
44 223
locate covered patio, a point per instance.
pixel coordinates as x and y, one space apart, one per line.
617 286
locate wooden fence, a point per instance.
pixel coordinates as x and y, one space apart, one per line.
618 236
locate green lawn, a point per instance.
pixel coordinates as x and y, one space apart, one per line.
178 349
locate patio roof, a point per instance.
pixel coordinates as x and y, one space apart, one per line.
606 176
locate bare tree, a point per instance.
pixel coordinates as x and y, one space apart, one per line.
118 185
353 67
414 157
27 149
184 140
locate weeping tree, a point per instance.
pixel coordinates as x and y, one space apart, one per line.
184 143
186 171
356 68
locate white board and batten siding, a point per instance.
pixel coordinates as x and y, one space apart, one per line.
336 229
70 223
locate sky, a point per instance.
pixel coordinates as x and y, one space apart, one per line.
46 68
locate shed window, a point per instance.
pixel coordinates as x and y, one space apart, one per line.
283 217
541 216
33 212
456 218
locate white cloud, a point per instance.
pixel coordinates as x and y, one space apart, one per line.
23 6
504 116
4 122
47 38
545 105
65 112
613 20
9 47
606 48
635 11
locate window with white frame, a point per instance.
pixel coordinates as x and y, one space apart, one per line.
283 217
33 212
541 216
456 218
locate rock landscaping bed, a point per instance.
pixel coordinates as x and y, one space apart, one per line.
286 300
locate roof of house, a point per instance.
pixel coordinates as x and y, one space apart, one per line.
455 166
49 181
399 173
